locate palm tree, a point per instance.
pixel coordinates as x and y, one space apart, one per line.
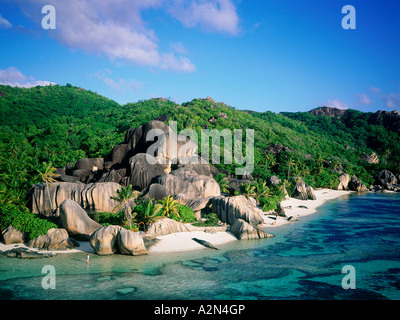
248 190
169 207
270 160
223 182
146 213
124 196
290 163
46 174
261 188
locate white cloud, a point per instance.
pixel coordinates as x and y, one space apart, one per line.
364 99
336 103
121 85
13 77
115 28
211 15
392 100
4 23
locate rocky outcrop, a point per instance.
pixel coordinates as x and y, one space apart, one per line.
302 190
156 191
10 235
105 240
175 186
165 226
372 158
55 239
344 180
356 184
387 179
92 197
76 221
229 209
115 239
130 243
329 112
143 168
195 204
245 231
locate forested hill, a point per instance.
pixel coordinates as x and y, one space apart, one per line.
61 124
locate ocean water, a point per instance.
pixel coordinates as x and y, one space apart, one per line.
303 261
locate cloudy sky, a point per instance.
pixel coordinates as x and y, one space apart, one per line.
278 55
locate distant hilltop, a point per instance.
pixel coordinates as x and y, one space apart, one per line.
389 119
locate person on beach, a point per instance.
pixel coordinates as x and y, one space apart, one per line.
87 259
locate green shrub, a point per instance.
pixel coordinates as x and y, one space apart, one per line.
186 214
107 218
22 219
211 221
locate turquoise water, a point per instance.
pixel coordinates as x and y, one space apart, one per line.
303 261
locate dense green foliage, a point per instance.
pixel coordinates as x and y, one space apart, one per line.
54 126
21 219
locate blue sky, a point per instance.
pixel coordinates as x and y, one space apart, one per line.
277 55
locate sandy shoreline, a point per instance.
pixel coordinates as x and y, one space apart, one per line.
182 241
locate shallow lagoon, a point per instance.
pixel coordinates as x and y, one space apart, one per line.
303 261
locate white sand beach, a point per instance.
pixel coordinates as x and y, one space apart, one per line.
182 241
300 208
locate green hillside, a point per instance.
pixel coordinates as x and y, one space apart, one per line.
61 124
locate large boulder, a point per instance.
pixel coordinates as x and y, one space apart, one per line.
165 226
143 169
92 197
302 190
207 186
175 186
105 240
119 154
356 184
76 221
54 239
387 179
229 209
156 191
130 243
195 204
245 231
11 235
116 175
93 164
344 180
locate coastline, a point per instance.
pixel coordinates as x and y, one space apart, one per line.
182 241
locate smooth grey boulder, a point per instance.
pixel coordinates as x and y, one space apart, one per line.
115 239
92 197
207 186
195 204
229 209
184 173
54 239
165 226
76 221
156 191
175 186
11 235
143 169
105 240
356 184
130 243
245 231
344 180
302 190
91 164
387 179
